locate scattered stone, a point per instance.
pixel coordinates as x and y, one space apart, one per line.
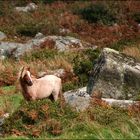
2 36
39 36
2 118
58 72
116 76
119 103
64 31
29 8
78 99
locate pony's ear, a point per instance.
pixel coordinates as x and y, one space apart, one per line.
28 68
22 72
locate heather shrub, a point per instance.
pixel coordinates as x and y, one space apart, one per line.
39 54
39 117
97 13
83 64
69 86
136 17
28 29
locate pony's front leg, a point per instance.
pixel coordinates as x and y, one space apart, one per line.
55 96
33 98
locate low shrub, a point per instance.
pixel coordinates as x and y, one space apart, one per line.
83 64
46 119
39 54
69 86
106 115
37 117
28 29
136 17
97 13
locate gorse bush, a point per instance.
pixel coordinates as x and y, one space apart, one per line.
83 64
81 68
97 13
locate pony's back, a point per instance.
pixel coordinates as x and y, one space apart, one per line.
49 84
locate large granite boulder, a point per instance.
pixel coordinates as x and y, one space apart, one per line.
116 76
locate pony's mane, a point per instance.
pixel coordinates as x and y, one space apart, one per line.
22 72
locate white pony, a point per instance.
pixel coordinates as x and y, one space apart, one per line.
33 88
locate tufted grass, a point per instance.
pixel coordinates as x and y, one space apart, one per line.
56 120
9 101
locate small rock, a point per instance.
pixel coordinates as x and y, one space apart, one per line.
39 36
119 103
78 99
29 8
64 31
2 36
6 115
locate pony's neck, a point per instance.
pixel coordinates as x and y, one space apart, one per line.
25 90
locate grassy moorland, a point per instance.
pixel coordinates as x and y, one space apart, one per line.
102 23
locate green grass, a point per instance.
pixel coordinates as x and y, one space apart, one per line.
8 88
59 121
56 120
10 102
46 119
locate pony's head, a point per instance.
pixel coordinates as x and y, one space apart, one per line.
25 76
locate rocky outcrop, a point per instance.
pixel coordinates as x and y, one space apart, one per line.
29 8
116 76
15 50
57 72
69 43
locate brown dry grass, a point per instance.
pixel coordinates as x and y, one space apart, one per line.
9 69
60 15
133 51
